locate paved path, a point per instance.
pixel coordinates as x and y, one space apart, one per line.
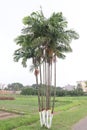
81 125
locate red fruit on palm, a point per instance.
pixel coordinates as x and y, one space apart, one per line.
36 72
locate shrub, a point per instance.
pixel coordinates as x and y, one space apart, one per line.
29 91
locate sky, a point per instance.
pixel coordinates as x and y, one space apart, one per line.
70 70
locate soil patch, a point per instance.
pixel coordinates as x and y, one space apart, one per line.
7 98
6 115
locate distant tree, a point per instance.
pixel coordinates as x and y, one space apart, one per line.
15 86
78 92
34 86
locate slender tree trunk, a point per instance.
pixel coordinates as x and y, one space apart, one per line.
54 85
41 88
39 102
49 86
44 80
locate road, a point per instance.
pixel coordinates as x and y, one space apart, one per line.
81 125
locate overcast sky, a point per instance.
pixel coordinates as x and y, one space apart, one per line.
70 70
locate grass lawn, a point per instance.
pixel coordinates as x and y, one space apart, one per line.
68 110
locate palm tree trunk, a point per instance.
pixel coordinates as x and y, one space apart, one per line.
41 88
44 85
42 112
49 85
46 94
39 104
54 85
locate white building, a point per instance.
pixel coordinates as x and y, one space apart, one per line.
69 87
83 85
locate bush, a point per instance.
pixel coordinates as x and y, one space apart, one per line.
29 91
59 92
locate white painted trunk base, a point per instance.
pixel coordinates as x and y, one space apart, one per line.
46 118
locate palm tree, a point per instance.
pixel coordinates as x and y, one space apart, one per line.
44 40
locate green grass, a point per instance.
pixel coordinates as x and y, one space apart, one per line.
26 104
68 111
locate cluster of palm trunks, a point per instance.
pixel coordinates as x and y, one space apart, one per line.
43 74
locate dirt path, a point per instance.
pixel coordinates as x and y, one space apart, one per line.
6 115
81 125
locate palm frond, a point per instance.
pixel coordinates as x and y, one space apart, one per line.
60 55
